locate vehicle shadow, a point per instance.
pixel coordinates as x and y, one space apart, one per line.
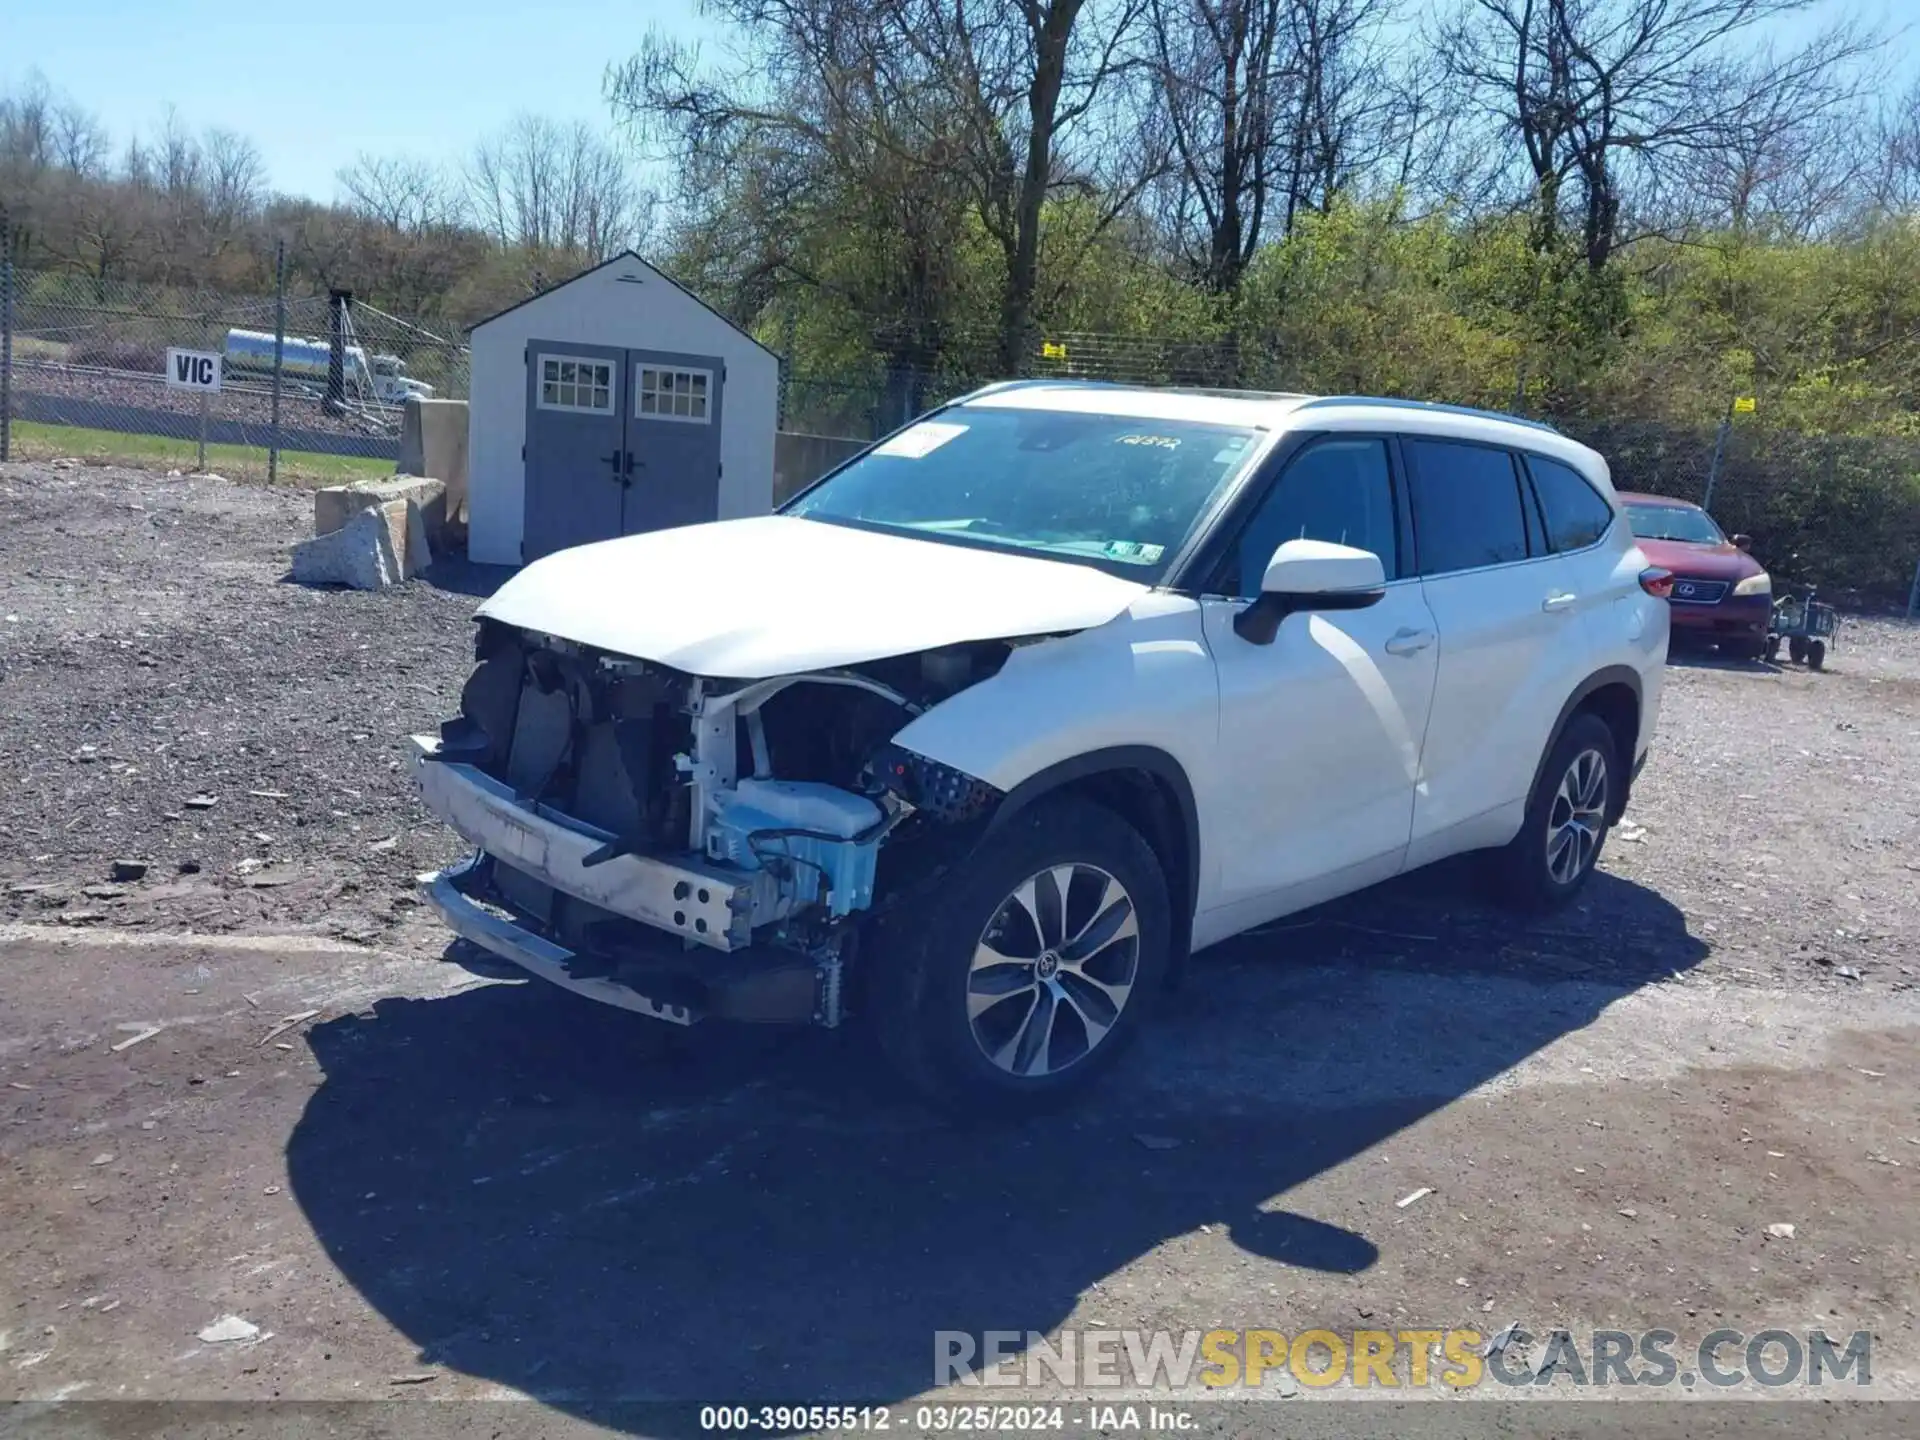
1705 658
458 575
569 1201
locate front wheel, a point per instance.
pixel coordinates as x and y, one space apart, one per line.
1797 649
1032 969
1816 654
1547 863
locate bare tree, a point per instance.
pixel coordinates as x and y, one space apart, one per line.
1896 161
1612 95
1221 70
405 194
1792 165
235 178
556 188
1003 100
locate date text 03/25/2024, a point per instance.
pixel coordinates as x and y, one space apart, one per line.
979 1419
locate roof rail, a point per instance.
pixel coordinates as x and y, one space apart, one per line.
1431 406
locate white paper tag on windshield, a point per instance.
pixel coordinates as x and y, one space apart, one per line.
920 440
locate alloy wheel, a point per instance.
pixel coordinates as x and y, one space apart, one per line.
1578 817
1053 970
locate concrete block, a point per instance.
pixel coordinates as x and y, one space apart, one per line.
336 504
433 442
360 554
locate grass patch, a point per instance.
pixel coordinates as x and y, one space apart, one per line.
34 441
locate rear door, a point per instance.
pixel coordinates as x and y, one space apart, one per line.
1511 641
1320 730
574 446
673 440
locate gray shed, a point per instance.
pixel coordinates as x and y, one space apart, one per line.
613 403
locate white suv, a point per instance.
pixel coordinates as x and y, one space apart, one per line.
980 736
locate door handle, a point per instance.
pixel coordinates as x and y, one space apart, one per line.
1408 642
612 462
1559 600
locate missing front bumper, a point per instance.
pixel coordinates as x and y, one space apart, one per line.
683 896
665 981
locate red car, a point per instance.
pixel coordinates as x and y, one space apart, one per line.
1721 595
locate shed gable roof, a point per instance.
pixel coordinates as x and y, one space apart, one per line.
624 257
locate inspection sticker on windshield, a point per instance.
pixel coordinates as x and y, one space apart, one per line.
1134 552
920 440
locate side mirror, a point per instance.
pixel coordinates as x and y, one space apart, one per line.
1311 575
1743 542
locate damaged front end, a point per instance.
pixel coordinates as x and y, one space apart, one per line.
688 847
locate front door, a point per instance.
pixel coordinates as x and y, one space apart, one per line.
673 440
575 444
1320 730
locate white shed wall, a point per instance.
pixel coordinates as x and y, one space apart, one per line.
603 308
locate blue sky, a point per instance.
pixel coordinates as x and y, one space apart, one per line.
313 84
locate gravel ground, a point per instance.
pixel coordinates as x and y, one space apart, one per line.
252 1088
153 657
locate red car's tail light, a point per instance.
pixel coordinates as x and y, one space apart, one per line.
1657 582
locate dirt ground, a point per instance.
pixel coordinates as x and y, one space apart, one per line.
249 1083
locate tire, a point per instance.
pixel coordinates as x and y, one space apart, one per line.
1816 654
1528 875
1796 649
1770 652
930 983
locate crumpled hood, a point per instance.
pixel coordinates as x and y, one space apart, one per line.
778 595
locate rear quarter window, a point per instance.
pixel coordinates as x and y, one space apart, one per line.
1576 514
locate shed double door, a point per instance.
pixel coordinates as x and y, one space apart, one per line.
618 441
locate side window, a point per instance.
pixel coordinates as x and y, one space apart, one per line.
1466 506
1338 490
1576 515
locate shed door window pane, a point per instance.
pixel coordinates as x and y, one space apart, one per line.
674 394
1466 506
576 384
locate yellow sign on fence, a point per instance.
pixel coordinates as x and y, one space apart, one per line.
1743 404
1052 350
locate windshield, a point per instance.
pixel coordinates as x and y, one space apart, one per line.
1674 522
1113 491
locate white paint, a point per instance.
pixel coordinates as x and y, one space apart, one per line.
776 595
1355 745
193 370
628 304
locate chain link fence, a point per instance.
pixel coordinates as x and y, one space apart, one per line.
312 386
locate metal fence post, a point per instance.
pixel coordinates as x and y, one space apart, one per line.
1719 453
1913 595
279 355
6 340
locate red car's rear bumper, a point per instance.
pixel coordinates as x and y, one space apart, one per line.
1737 618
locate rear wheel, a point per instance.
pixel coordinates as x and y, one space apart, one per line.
1816 654
1547 863
1770 652
1033 967
1797 649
